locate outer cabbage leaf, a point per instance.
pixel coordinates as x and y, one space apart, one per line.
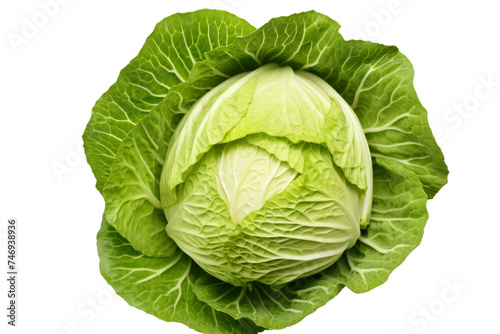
273 309
177 43
132 193
162 287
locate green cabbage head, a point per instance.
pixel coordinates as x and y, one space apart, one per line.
251 186
250 174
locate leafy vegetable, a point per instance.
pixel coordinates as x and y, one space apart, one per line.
250 174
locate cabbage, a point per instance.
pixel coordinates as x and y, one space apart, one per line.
250 174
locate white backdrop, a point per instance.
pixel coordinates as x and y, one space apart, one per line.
51 78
